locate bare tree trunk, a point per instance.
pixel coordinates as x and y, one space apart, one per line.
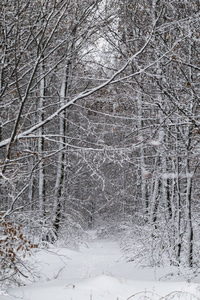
61 155
189 215
178 242
41 190
144 173
30 188
65 86
192 109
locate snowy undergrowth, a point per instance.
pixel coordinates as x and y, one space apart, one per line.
71 232
99 271
153 246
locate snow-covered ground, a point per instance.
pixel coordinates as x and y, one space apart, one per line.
98 271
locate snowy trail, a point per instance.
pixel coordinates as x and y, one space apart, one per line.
96 273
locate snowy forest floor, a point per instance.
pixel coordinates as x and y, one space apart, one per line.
99 271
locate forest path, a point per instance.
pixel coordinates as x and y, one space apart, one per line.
94 273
